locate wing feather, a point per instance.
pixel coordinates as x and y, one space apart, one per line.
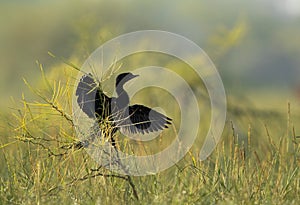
143 120
91 100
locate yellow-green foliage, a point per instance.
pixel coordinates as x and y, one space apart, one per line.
256 162
40 163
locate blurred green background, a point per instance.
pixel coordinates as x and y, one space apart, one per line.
254 44
256 49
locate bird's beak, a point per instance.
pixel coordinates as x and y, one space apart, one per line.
134 76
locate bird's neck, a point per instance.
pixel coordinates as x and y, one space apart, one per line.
120 89
123 98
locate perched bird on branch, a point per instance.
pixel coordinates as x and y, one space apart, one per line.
129 119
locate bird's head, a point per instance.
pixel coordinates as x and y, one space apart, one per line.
124 77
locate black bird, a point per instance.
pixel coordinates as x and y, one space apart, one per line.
131 119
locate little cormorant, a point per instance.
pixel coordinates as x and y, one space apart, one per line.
131 119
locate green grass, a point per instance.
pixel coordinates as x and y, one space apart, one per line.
255 163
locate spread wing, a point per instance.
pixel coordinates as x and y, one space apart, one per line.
91 100
137 118
143 119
